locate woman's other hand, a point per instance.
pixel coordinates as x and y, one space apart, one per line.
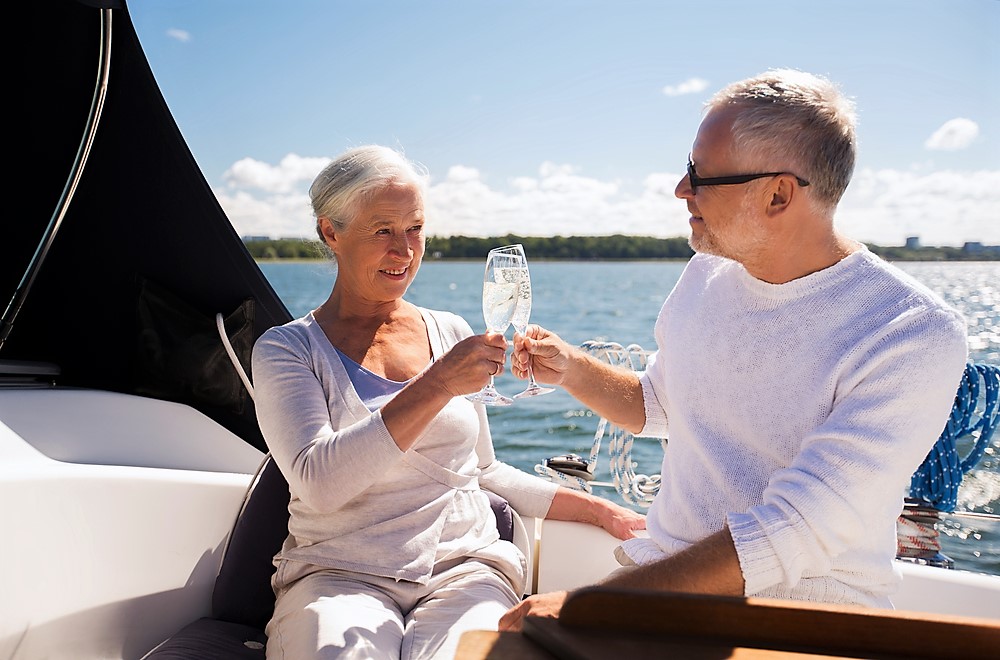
575 505
618 521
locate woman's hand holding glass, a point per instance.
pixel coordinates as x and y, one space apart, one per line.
468 365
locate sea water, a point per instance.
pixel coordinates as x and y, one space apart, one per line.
618 301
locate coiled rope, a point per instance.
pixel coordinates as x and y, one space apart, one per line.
936 481
934 486
636 489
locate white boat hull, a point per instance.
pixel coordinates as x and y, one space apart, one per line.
117 509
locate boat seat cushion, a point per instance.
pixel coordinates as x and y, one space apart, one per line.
211 638
243 591
504 515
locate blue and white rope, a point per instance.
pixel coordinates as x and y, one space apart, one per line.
937 479
563 479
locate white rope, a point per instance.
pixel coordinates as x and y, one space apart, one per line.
563 479
917 536
221 325
636 489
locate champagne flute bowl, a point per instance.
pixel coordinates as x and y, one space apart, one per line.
500 295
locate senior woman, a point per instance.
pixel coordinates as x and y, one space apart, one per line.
393 550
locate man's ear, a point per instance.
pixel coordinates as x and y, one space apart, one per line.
781 196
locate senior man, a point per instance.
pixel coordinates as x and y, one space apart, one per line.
801 379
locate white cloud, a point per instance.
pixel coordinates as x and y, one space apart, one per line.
557 201
180 35
461 173
689 86
881 206
942 208
953 135
283 178
277 216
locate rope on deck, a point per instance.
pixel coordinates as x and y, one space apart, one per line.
937 479
636 489
934 486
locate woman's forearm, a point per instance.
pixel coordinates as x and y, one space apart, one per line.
409 412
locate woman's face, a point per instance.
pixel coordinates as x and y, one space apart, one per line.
380 251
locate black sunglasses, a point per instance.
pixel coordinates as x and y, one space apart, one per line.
731 180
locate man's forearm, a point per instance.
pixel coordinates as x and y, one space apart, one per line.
612 392
710 566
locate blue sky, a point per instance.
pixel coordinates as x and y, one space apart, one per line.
561 117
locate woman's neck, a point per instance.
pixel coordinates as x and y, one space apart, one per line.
341 307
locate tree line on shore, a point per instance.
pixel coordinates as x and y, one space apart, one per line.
577 248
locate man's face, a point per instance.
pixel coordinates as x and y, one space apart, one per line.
725 220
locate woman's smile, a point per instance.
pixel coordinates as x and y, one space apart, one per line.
395 273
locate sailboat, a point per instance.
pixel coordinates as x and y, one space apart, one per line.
139 507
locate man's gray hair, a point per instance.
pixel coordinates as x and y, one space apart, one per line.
793 121
355 177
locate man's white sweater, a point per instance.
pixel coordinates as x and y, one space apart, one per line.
796 415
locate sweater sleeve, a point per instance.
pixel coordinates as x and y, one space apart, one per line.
654 400
894 396
325 466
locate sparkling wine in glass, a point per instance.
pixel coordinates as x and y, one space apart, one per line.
522 311
500 290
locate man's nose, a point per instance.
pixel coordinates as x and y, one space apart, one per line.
683 189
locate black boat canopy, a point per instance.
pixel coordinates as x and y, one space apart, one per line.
144 257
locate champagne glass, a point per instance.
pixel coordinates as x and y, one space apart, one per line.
500 289
522 310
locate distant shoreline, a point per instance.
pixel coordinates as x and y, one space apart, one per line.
590 248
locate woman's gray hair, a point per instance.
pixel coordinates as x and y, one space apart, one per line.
794 121
354 178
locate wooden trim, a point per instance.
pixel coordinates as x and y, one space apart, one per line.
596 616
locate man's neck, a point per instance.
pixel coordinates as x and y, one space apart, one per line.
794 256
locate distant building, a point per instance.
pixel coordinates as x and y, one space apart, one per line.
912 242
975 248
251 239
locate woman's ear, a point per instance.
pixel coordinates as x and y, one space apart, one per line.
329 232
